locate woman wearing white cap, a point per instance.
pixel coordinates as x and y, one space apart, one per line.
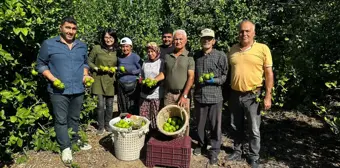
129 68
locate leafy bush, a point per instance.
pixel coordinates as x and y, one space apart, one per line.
304 43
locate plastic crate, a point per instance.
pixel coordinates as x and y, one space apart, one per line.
173 153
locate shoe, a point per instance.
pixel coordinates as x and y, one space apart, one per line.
213 161
100 132
108 129
254 163
234 156
66 156
83 145
197 151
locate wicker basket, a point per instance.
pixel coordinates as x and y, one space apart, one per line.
172 111
128 142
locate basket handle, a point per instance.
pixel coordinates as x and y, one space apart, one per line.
142 132
122 134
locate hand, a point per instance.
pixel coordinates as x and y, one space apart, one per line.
210 81
86 76
183 102
267 102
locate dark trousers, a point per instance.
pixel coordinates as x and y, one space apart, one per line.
66 109
128 102
209 114
243 104
104 111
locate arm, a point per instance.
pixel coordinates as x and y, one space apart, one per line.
223 66
269 81
189 83
86 67
160 76
92 58
269 77
142 72
42 63
138 66
191 77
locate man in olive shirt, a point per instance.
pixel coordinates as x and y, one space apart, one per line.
178 73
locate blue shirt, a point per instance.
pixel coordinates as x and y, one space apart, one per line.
65 64
132 66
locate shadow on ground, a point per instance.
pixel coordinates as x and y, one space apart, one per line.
295 139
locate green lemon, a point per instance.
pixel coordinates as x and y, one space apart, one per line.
201 80
122 68
212 75
34 72
206 76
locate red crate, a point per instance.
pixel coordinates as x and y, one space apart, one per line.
173 153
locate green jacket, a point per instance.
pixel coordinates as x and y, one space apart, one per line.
103 82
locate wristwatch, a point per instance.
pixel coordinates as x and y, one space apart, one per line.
185 96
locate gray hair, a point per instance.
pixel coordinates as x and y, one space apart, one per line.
180 31
245 21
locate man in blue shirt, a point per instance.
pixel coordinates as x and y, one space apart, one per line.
63 60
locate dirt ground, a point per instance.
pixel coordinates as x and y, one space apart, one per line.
289 139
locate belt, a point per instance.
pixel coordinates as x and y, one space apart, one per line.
258 89
175 91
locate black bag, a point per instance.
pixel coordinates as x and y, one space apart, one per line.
128 86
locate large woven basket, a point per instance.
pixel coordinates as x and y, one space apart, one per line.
172 111
128 142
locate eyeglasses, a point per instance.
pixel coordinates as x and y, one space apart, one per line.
108 37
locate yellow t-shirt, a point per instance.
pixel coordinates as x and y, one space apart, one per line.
247 66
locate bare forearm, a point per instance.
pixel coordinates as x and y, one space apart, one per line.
47 74
160 77
188 85
86 72
269 81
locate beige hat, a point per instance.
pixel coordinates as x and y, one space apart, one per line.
207 33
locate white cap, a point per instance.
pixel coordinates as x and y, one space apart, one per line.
126 40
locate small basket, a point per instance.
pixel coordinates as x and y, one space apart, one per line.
172 111
128 142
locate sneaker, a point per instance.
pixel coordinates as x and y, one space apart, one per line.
100 132
108 129
83 145
197 151
66 156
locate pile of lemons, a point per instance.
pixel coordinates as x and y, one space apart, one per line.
173 124
127 124
206 76
149 82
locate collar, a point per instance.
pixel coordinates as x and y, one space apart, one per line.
58 39
251 46
211 52
184 53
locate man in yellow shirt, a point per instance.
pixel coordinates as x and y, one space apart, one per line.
249 62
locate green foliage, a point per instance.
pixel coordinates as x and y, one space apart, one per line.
25 118
303 40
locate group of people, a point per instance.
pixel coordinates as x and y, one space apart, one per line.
114 67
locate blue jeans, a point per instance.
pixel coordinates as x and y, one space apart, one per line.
244 105
66 110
